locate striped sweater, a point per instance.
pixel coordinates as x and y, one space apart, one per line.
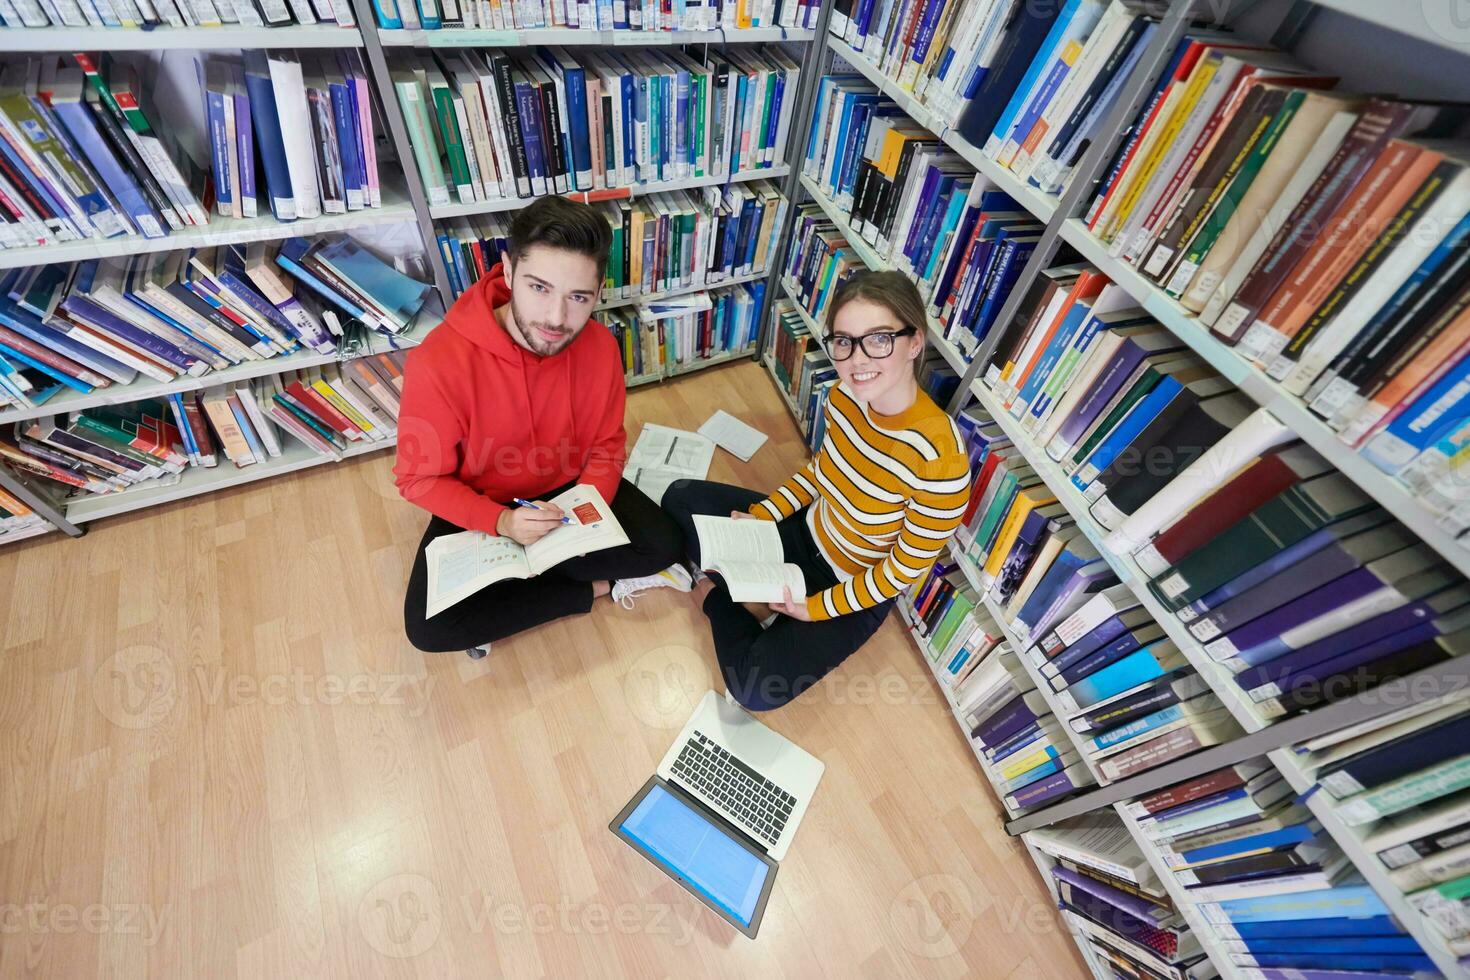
886 492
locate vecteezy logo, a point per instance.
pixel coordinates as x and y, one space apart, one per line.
663 686
401 916
933 916
136 688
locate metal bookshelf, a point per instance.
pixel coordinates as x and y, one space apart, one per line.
220 231
570 36
1059 215
32 40
439 212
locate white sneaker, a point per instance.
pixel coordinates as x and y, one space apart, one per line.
625 590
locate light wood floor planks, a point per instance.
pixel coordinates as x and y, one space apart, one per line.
220 758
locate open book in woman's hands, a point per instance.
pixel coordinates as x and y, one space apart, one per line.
749 557
462 564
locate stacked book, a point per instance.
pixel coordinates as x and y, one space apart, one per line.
103 324
819 262
674 336
150 14
1028 85
594 15
1114 902
1029 757
88 154
16 519
1402 784
898 184
1122 685
152 442
1282 570
674 240
1276 890
984 243
1364 321
506 125
801 369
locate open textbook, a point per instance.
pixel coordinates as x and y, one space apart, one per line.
663 455
747 554
462 564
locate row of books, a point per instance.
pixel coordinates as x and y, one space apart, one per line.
660 242
900 187
150 443
1028 84
672 336
150 14
801 369
1114 903
496 125
84 153
1030 759
1240 149
1401 782
1249 538
104 323
595 15
1270 882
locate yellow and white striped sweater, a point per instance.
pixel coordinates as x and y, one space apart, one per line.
886 492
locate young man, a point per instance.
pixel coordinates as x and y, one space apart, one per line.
519 394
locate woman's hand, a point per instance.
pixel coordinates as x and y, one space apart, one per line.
740 515
791 607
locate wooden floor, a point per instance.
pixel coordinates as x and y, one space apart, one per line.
219 757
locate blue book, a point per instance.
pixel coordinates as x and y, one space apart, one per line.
39 391
1082 343
1337 944
1399 963
1137 668
1032 775
1015 743
78 121
1007 272
947 228
221 153
1077 316
1371 925
1203 803
1017 131
268 135
186 432
1343 900
354 186
289 258
66 379
399 295
1069 562
428 15
1266 841
1071 669
1144 411
1429 418
79 306
387 13
1026 52
245 141
242 420
1137 727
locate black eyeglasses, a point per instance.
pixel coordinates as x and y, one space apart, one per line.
875 345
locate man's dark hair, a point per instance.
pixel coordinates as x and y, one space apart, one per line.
558 223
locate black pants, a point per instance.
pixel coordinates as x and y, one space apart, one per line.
513 605
765 668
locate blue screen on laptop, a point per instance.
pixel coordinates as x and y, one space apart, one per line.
689 844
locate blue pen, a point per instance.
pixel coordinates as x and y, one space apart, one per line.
527 503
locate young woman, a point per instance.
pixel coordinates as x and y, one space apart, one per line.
864 520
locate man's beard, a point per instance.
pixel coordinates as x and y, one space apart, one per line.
533 339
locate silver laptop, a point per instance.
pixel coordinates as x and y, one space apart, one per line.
727 773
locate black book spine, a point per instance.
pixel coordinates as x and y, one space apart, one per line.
505 92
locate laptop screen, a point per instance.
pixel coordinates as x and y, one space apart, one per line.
696 849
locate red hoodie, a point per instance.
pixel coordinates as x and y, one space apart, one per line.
483 420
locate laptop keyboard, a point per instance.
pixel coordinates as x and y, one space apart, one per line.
758 805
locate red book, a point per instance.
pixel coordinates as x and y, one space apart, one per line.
50 358
982 480
1180 793
323 410
1231 503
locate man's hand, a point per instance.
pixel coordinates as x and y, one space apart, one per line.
740 515
527 525
791 607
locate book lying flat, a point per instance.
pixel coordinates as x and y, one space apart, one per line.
462 564
747 554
